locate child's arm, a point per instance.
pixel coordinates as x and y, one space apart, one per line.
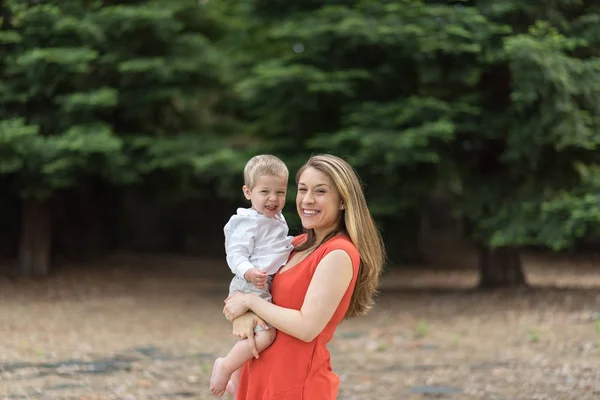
239 244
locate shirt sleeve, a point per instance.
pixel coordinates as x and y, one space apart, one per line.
239 243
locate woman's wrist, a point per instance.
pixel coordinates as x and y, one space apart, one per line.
248 301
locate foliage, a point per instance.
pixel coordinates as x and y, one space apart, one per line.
490 104
493 104
541 186
111 89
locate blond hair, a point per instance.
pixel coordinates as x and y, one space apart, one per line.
263 165
355 221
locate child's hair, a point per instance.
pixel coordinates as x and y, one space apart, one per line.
264 164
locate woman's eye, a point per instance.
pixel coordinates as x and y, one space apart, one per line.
302 190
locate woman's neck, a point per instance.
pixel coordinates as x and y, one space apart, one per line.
322 234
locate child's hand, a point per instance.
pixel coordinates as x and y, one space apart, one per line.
257 277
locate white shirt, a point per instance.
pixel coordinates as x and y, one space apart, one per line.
255 241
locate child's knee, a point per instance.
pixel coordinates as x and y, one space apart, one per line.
269 336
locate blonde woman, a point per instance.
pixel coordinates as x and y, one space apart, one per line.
332 274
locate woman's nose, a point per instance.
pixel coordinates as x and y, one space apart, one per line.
308 198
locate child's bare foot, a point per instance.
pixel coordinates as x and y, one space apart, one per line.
219 378
231 388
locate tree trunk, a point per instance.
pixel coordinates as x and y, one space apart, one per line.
79 226
36 238
500 268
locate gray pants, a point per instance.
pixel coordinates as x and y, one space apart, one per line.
241 285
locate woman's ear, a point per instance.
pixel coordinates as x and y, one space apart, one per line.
342 206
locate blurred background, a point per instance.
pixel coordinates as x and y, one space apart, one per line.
474 125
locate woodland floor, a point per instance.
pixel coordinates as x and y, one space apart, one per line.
150 327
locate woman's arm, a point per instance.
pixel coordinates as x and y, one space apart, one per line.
327 287
243 328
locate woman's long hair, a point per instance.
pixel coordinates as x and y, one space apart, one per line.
355 221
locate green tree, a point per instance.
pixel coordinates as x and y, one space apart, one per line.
532 180
113 90
490 102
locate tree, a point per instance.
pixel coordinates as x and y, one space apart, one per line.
478 100
100 89
530 179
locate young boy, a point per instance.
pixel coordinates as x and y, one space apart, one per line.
257 245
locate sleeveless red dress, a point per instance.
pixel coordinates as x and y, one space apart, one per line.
291 369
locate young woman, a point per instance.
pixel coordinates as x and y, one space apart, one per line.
332 274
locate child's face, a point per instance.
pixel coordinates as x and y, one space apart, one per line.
267 195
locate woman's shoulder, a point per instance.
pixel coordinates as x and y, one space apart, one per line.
341 242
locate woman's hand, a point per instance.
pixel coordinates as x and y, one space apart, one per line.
243 327
236 305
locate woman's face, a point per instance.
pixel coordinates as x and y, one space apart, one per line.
318 201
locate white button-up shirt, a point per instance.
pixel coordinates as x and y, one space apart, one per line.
255 241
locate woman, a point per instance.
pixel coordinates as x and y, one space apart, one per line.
332 273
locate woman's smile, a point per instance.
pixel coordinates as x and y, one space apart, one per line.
309 213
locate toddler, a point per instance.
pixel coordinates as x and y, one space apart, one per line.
257 245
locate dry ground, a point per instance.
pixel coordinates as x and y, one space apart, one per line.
129 328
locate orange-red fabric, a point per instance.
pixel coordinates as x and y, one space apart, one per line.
291 369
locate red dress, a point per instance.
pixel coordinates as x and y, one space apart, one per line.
291 369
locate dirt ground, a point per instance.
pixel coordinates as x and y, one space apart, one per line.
131 328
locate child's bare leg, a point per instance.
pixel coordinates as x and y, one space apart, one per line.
239 354
234 382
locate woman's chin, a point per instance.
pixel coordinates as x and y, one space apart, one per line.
308 225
